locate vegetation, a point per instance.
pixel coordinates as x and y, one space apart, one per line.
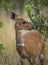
5 4
1 45
1 24
39 22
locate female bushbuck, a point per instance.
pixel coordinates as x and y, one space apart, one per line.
29 43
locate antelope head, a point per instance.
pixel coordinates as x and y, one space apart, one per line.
20 22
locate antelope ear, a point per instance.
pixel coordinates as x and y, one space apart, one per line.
13 15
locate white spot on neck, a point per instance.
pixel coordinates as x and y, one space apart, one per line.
21 44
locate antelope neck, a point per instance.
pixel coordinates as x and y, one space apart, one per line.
20 34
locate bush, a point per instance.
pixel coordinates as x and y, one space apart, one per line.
1 24
1 48
38 21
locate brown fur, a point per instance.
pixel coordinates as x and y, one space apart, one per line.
33 41
34 45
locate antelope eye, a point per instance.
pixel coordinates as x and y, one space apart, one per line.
24 22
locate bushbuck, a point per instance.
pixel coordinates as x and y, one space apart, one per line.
29 43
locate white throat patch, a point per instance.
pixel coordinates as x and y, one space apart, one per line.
23 32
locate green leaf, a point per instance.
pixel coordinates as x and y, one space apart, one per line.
1 47
5 5
28 7
39 22
1 24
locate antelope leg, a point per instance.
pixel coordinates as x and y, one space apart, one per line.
22 61
31 61
41 58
